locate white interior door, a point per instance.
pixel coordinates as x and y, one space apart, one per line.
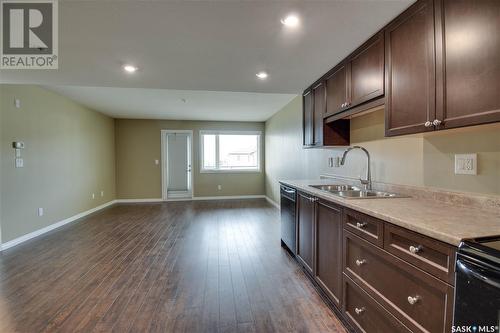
177 164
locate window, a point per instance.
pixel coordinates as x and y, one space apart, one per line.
230 151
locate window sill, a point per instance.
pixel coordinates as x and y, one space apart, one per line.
232 171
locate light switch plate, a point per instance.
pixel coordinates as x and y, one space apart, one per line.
466 164
19 163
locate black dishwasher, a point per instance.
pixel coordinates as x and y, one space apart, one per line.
477 286
288 198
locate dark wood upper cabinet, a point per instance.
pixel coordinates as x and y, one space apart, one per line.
468 53
307 118
319 109
328 272
410 71
305 230
336 89
437 65
366 71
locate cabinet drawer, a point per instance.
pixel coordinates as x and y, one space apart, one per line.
365 314
428 254
364 226
422 302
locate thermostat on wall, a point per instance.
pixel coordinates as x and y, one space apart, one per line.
18 145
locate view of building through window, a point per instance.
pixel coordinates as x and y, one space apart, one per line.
230 151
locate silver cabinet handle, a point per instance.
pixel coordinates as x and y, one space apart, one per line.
436 122
359 310
427 124
343 105
360 262
413 299
415 249
361 224
308 198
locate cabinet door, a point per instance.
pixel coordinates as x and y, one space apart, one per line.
328 272
410 71
367 71
319 101
307 121
336 90
305 231
470 68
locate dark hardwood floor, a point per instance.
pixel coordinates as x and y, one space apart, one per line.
214 266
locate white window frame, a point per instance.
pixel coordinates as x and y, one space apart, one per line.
212 132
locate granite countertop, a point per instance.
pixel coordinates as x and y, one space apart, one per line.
442 221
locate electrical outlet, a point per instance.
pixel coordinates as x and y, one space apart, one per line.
102 193
93 195
157 162
219 187
466 164
40 211
17 103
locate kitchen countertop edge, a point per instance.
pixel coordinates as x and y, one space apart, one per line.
448 235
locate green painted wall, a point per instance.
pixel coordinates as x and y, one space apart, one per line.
69 155
138 145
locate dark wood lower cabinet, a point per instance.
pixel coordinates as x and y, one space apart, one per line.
305 230
383 278
328 246
419 300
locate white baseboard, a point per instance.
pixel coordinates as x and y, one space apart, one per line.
272 202
231 197
221 197
53 226
139 200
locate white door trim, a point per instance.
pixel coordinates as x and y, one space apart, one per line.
164 161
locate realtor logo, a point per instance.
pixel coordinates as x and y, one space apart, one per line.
29 38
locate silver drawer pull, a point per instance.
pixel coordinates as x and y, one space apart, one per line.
413 300
361 224
416 249
360 262
359 310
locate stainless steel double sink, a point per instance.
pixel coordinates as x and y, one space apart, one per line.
354 192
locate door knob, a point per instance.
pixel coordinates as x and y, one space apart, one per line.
413 299
360 262
361 224
428 124
359 310
415 249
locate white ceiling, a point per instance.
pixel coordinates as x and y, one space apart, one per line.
203 45
176 104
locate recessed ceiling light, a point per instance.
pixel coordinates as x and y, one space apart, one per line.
290 21
130 68
262 75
